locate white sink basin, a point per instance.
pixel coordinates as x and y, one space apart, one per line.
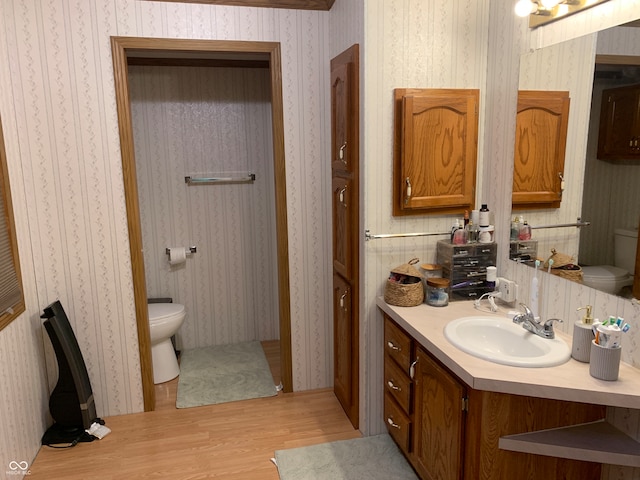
499 340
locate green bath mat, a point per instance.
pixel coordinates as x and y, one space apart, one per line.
223 373
367 458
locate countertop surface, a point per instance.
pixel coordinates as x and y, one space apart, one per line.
570 381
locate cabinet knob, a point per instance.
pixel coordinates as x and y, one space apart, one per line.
341 153
342 300
408 196
392 423
341 196
412 368
393 387
392 346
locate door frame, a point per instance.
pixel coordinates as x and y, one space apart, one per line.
183 49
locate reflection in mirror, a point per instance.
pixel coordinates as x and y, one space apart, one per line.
603 193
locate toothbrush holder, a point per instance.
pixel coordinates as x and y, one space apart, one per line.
605 362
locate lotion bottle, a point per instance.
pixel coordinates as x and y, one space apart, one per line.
484 220
582 336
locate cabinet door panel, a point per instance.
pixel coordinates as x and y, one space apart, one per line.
344 117
397 384
397 344
619 134
398 423
435 168
540 145
343 215
343 341
437 443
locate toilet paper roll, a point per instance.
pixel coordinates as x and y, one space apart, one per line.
177 255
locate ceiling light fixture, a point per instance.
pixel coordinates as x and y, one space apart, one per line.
545 11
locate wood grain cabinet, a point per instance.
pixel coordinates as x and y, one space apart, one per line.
541 138
435 150
440 403
448 430
619 133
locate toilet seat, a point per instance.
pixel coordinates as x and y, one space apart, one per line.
159 312
606 277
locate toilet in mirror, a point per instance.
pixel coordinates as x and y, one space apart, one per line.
593 198
614 278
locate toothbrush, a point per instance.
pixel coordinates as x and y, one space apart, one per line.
550 263
534 290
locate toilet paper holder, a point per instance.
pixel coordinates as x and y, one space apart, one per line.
189 250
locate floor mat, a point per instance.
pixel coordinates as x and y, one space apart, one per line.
223 373
367 458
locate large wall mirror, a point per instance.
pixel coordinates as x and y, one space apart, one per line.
603 193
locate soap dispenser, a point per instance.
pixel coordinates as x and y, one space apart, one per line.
582 336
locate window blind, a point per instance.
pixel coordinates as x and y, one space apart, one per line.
9 287
10 283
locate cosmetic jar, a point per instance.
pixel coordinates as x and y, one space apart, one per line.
437 292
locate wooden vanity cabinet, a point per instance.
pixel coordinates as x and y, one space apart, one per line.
438 439
619 133
542 120
435 150
448 430
423 407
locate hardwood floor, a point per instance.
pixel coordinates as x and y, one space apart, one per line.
231 441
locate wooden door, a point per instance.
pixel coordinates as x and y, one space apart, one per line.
345 228
438 419
540 145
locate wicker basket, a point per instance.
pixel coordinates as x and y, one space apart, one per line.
405 294
564 266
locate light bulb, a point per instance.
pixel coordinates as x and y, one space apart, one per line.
549 4
525 7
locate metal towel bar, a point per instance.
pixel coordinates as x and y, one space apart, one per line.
368 236
249 178
577 224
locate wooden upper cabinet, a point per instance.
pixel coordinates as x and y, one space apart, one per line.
435 150
541 139
619 134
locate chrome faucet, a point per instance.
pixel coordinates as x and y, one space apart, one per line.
529 322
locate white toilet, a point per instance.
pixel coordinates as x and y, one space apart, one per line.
612 278
164 321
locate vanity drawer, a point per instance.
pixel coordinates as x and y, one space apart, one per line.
397 383
397 422
397 344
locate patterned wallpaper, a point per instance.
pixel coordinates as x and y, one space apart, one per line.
59 114
58 109
407 44
209 122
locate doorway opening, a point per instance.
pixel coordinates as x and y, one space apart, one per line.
199 52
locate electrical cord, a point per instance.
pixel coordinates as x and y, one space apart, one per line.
493 308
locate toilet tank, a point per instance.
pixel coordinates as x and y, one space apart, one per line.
625 243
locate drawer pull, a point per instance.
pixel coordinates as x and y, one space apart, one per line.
393 387
392 423
392 346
